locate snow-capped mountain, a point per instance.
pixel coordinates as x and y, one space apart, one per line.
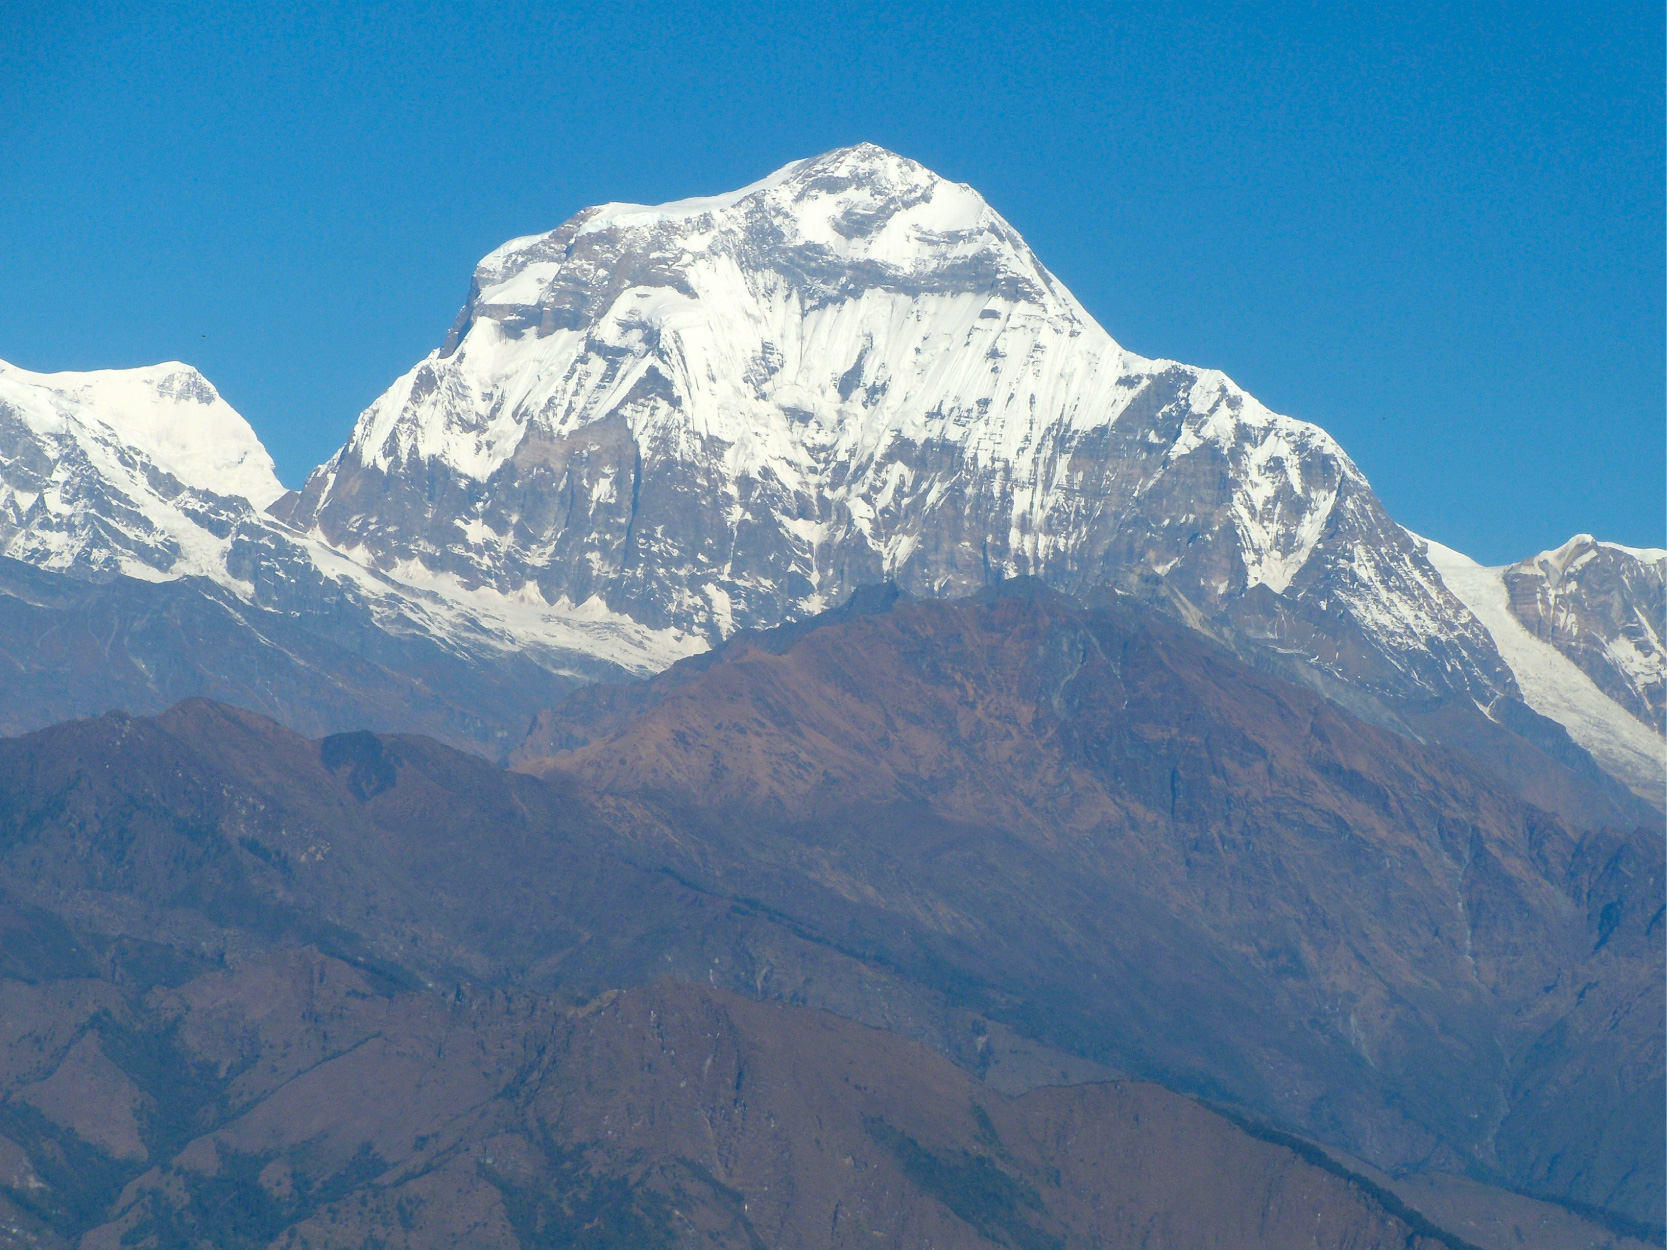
730 412
143 473
1581 628
656 425
143 492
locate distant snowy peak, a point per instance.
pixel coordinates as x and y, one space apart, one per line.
168 413
136 472
1563 654
729 412
1604 606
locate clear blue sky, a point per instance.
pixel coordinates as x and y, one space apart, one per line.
1437 230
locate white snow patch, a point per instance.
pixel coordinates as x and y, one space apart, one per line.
524 619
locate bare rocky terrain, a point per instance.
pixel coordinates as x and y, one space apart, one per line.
1081 934
324 1112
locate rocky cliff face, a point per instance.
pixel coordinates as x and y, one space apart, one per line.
1603 606
731 412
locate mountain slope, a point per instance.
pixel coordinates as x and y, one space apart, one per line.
1106 833
1562 639
256 988
134 499
331 1112
731 412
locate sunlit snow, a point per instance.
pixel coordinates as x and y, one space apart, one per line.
1552 684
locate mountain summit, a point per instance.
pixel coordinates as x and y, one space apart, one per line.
119 471
658 425
729 412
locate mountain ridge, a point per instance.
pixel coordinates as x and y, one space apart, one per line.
657 425
889 350
948 775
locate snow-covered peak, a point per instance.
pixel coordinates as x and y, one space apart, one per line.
1579 671
168 413
833 225
728 411
1558 562
143 473
865 202
841 196
835 305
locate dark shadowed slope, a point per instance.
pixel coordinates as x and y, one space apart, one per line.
291 1101
1100 830
255 983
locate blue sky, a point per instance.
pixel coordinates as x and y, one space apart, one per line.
1435 230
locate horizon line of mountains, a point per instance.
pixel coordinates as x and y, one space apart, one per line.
654 426
848 624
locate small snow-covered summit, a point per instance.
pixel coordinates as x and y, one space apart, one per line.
169 413
1604 606
1580 627
138 472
